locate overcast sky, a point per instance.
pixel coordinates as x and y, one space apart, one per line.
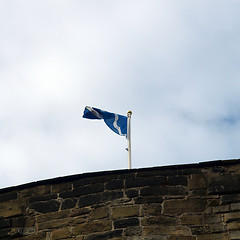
174 63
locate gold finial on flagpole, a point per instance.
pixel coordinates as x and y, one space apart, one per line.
129 113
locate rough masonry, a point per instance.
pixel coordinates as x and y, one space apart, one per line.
184 202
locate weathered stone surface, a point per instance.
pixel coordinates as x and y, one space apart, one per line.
5 223
69 203
125 211
83 190
152 209
192 219
41 198
61 233
32 192
164 190
101 212
182 238
166 230
177 180
123 223
115 234
64 187
230 198
53 216
235 235
11 208
8 196
133 231
232 216
95 226
114 184
197 181
181 206
58 223
161 220
224 184
45 207
218 236
150 181
131 193
148 199
79 212
99 198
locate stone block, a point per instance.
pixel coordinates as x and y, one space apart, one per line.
93 199
160 220
218 236
154 191
113 235
150 181
221 209
8 196
41 198
69 203
191 219
198 181
212 218
94 179
128 222
200 230
91 227
83 190
166 230
232 216
177 180
114 184
182 238
101 212
53 216
146 199
11 208
125 211
5 233
181 206
58 223
230 198
35 191
164 190
131 193
45 207
235 206
61 233
79 212
217 227
235 235
5 223
133 231
224 184
63 187
233 226
152 209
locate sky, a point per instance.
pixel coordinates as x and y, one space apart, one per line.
174 64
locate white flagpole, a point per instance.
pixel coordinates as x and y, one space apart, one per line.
129 113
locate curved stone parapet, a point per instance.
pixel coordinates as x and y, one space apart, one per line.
184 202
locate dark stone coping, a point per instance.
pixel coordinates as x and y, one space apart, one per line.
64 179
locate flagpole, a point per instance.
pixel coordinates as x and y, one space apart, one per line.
129 113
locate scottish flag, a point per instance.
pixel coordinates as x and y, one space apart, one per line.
115 122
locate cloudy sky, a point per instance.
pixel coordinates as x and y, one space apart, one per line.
174 63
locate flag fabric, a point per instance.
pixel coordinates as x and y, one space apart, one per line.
116 122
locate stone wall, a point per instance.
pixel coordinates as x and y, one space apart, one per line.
185 202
